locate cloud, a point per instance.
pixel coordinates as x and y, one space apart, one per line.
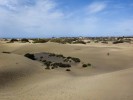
41 18
8 4
96 7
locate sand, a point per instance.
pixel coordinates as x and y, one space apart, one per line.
109 78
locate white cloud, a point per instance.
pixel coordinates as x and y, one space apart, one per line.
96 7
42 17
45 18
9 4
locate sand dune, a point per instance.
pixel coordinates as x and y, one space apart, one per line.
115 85
109 78
14 67
120 56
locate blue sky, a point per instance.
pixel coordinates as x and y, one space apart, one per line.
54 18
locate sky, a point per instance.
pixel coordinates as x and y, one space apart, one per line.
65 18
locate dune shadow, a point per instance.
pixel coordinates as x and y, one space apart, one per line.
7 78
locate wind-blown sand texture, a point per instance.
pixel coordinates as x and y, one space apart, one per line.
109 78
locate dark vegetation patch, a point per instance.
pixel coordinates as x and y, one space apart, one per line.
66 59
114 40
117 42
53 65
68 70
47 60
30 56
76 40
40 40
127 40
6 52
64 40
24 40
122 40
62 65
56 40
77 60
13 40
86 65
89 64
60 56
52 55
47 63
79 42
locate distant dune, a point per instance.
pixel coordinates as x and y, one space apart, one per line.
109 77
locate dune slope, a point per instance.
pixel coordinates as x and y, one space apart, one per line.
111 86
109 78
14 67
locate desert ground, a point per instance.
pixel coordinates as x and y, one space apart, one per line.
108 78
